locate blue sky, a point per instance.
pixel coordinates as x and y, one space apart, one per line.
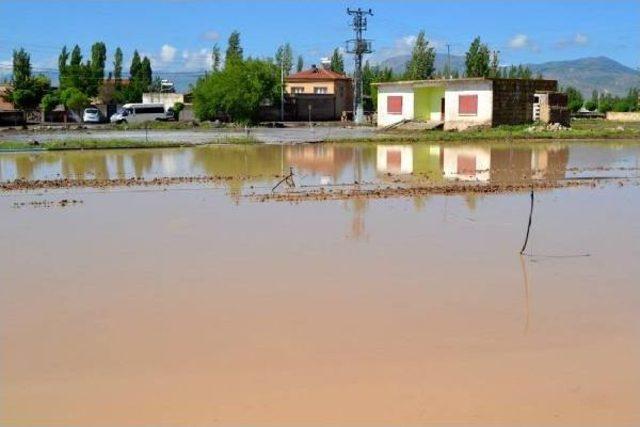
178 34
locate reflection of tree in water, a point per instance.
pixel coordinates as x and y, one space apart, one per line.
250 164
84 164
26 164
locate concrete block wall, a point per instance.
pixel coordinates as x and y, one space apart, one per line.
513 99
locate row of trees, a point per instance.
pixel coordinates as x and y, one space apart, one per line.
603 102
79 81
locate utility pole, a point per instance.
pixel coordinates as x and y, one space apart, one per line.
358 47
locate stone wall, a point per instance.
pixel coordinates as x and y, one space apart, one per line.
513 99
623 117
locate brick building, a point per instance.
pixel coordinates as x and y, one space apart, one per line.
470 102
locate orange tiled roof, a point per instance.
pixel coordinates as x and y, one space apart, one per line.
317 74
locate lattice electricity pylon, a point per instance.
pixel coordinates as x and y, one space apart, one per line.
358 47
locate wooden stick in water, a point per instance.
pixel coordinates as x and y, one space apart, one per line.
526 239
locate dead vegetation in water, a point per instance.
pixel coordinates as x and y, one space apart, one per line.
47 203
356 192
64 183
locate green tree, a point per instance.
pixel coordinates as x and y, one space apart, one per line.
420 66
337 61
136 63
477 59
237 91
495 64
97 65
49 102
74 100
215 58
591 105
234 50
300 64
75 71
21 69
284 58
63 60
146 74
117 65
575 100
27 90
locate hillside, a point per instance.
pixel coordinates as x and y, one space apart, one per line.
586 74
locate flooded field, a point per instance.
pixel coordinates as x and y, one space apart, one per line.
193 305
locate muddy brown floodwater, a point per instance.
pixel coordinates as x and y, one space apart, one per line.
197 306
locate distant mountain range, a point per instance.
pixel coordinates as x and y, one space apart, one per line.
585 74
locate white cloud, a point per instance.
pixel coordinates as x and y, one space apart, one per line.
519 41
581 39
196 60
167 53
402 46
211 35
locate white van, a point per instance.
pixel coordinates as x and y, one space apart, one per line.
138 113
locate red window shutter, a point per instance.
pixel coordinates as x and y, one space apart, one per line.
394 105
468 104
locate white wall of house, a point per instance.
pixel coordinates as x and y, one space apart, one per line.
168 99
453 118
406 92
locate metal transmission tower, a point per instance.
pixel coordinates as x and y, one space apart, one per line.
358 46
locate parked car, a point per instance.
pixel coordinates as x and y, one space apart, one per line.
139 113
92 115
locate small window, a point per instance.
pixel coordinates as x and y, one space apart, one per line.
320 90
394 105
468 105
297 89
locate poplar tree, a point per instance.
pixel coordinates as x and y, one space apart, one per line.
284 58
477 59
215 58
337 62
421 64
234 50
117 67
63 58
300 65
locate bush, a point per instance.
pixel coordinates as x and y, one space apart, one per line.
49 102
591 105
74 100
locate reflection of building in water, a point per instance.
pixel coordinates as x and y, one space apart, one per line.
395 159
466 163
504 165
328 161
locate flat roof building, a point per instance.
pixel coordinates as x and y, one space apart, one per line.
467 102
